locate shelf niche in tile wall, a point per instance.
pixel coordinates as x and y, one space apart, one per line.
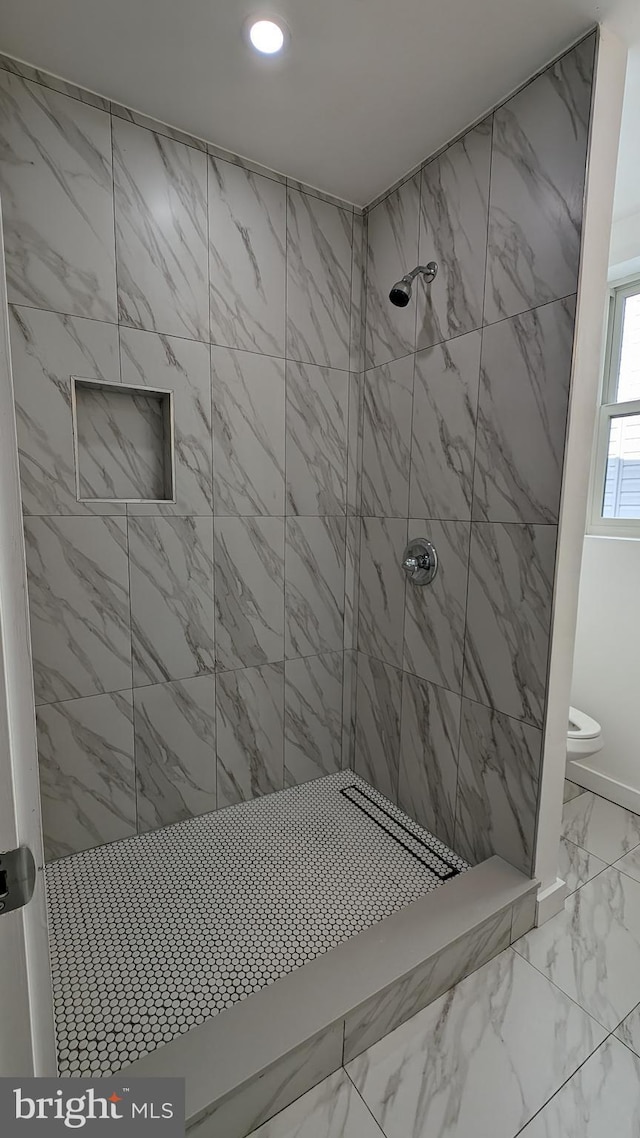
124 442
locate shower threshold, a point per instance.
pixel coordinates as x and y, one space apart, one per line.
154 935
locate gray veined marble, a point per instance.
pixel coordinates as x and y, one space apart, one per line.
319 237
354 443
434 618
249 591
444 1072
382 588
454 203
172 616
349 692
56 185
445 403
247 259
429 755
183 367
312 717
392 251
78 573
250 732
629 1030
539 154
508 617
47 349
358 283
157 127
378 709
314 585
522 415
85 749
248 394
351 576
121 440
333 1109
497 795
386 442
25 71
175 751
601 827
591 950
161 233
576 866
317 421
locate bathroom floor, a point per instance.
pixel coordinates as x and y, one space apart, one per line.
541 1042
153 935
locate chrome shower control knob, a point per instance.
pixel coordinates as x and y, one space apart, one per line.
420 561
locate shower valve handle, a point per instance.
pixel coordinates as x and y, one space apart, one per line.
420 561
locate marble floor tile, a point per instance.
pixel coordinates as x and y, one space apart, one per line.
629 1030
592 949
317 426
454 202
312 717
175 751
571 790
378 712
183 367
382 588
434 619
87 776
601 1099
333 1109
466 1065
392 251
508 618
630 864
161 233
319 238
601 827
172 616
57 201
522 415
247 258
576 866
314 585
386 442
47 349
249 732
248 395
78 570
443 436
249 591
429 738
539 153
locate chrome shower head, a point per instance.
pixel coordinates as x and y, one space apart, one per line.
400 294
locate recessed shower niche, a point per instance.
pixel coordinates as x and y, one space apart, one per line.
124 442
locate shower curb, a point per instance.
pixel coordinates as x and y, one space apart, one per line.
251 1061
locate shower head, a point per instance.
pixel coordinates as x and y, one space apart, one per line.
400 294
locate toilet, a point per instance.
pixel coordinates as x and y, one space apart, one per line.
584 735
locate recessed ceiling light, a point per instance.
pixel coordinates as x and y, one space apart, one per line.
266 36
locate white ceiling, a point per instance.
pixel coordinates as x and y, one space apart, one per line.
366 90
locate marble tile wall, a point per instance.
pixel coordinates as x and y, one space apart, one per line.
464 406
187 654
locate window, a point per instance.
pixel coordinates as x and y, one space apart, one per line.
615 497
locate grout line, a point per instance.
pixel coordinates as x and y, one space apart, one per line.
363 1100
567 1080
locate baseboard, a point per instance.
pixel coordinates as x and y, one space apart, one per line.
551 901
604 785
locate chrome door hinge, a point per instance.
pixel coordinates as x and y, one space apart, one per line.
17 879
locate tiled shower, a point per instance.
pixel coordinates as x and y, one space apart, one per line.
227 435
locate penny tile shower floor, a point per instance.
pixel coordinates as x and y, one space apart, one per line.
154 934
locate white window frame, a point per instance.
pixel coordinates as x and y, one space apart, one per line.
608 410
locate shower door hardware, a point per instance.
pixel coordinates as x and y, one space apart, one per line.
17 879
420 561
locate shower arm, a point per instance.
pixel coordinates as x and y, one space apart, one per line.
429 271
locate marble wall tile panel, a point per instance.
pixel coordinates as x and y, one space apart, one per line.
121 440
87 778
249 591
25 71
454 204
161 233
250 732
377 744
354 443
382 588
56 184
312 717
434 619
386 441
508 617
349 693
358 284
78 573
319 239
175 751
314 585
157 127
248 393
247 259
392 251
429 738
316 440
